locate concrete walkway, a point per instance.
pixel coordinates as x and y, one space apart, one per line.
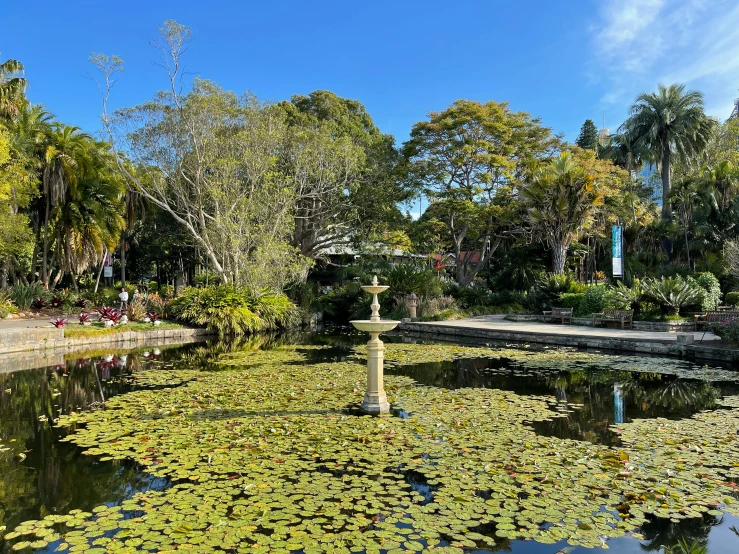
499 323
484 329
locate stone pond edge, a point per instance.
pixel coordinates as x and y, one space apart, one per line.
642 346
44 338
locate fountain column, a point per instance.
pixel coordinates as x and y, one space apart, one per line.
375 400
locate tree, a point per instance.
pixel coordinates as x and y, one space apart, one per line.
12 88
212 161
344 167
672 126
18 185
561 198
588 137
466 159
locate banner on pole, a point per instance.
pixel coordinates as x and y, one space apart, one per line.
618 250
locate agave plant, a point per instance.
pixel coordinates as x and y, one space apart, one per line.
59 322
672 293
24 295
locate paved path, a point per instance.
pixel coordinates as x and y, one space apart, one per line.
25 323
499 323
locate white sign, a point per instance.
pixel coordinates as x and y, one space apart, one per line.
107 271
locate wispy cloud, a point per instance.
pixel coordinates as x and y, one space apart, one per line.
640 43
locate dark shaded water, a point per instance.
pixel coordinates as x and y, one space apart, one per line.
49 476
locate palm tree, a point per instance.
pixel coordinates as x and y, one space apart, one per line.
669 123
12 88
64 160
561 198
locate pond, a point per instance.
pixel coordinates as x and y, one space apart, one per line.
257 446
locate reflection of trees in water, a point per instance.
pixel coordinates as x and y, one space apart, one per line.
662 533
54 477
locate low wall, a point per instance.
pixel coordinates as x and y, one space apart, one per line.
642 346
49 338
666 326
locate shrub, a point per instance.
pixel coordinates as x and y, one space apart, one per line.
429 308
84 318
474 296
728 331
572 300
626 298
136 309
712 290
59 322
732 298
38 304
6 306
232 310
158 304
340 303
153 316
672 293
552 286
24 295
594 300
405 279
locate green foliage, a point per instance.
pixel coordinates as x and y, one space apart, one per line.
7 306
627 298
712 290
595 299
732 298
672 293
728 331
136 309
572 300
232 310
23 295
588 137
405 279
685 547
551 286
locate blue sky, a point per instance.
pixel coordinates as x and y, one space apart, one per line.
562 61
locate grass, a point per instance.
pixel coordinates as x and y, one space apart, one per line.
97 329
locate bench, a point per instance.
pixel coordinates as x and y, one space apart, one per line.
709 318
562 314
618 316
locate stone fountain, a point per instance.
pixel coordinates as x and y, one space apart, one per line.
375 399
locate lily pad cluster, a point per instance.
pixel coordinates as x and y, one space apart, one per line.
266 455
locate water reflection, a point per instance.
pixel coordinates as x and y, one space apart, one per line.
592 399
40 474
55 477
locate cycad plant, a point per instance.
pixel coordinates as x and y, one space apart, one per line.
673 293
627 297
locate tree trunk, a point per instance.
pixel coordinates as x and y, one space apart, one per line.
123 262
4 273
100 271
687 246
666 211
44 264
559 256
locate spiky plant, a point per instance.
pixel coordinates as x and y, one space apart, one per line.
672 293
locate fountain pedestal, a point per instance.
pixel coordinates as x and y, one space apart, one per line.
375 400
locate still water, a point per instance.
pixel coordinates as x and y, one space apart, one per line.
50 476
